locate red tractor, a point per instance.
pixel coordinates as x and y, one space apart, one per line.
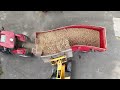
11 43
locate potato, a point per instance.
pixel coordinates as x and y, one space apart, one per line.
60 40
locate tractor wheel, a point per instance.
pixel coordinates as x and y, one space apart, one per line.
54 72
29 54
68 66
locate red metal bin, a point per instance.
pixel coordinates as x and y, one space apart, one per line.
82 48
103 41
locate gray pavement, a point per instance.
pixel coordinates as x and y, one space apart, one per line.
92 65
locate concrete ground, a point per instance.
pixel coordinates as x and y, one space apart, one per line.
92 65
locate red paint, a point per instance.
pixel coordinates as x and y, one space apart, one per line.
20 51
21 37
8 43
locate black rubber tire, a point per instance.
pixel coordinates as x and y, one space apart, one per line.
7 51
69 66
54 72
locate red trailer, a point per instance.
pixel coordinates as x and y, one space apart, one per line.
82 48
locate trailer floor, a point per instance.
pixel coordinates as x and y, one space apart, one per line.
92 65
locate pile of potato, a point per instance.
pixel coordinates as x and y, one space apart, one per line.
56 41
49 43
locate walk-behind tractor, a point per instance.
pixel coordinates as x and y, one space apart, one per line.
11 43
56 46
